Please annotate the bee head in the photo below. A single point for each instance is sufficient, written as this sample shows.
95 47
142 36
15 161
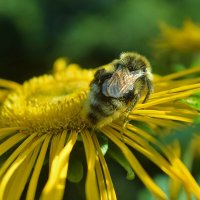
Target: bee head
134 61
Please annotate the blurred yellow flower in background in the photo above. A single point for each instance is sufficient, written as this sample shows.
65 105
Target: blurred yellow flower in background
41 120
183 39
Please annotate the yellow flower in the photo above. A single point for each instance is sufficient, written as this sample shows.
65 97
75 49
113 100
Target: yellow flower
41 119
183 39
191 151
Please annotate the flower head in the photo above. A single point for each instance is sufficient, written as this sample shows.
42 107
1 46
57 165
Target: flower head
183 39
41 119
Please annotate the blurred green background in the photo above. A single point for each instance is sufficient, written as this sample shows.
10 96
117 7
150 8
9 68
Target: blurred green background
34 33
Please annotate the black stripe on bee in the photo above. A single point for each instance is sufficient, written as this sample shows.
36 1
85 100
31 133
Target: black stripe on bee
93 117
99 109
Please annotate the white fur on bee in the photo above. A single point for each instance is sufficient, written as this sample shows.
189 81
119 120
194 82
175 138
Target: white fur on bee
149 73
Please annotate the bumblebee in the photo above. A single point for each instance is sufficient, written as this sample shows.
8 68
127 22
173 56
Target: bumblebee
116 90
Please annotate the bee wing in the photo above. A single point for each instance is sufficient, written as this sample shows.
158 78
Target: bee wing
120 83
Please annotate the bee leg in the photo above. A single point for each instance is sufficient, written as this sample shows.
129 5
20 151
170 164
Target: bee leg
127 112
132 98
123 129
149 88
131 106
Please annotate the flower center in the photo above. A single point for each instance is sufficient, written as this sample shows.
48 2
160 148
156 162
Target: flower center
48 104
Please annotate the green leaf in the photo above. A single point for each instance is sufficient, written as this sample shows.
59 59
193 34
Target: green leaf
75 171
197 120
117 155
144 126
178 67
184 136
193 101
161 181
103 141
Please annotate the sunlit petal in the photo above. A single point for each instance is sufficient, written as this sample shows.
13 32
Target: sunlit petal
10 142
4 132
22 174
21 152
9 84
37 169
44 117
55 185
91 181
19 160
57 144
138 169
110 188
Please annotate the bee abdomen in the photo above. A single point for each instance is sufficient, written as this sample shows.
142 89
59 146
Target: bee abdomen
103 108
99 111
93 118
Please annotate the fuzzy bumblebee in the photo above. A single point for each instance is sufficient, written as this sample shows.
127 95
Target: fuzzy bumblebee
118 89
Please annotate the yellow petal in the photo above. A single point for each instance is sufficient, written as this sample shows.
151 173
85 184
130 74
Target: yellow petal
180 74
91 181
57 144
189 182
9 143
108 181
12 169
157 122
167 99
21 152
21 176
142 146
38 166
4 132
9 84
138 169
101 180
54 188
3 94
8 176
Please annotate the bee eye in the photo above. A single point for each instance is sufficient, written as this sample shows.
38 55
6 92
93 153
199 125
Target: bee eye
118 65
